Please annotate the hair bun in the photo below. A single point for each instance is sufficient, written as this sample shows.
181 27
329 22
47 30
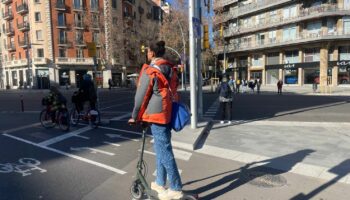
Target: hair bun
161 43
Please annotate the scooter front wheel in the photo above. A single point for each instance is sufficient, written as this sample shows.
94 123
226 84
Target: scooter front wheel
136 190
190 197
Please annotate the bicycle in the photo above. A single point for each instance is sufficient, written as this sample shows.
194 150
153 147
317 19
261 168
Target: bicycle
93 117
48 119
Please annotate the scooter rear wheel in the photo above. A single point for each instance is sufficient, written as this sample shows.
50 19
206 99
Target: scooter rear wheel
136 190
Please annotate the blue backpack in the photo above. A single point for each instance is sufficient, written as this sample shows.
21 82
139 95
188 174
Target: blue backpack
180 116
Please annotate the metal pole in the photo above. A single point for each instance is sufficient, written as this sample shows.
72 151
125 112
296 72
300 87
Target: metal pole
28 61
199 61
193 99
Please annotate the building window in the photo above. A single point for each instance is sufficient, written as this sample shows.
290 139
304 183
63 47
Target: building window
78 20
95 37
94 5
62 53
37 17
39 35
37 1
344 53
291 57
62 37
273 58
61 19
289 33
312 55
40 53
260 38
78 4
290 12
272 37
14 78
314 28
257 60
79 37
114 4
80 53
331 26
346 25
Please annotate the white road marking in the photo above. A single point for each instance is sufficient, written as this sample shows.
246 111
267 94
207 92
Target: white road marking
295 123
24 166
21 128
121 130
121 117
92 150
113 144
121 137
178 154
80 136
68 155
65 136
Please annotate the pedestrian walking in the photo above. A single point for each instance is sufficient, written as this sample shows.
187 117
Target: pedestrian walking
238 85
244 85
258 84
232 84
314 86
153 104
279 86
225 98
110 84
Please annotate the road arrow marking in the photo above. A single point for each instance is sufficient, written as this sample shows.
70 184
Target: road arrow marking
121 137
92 150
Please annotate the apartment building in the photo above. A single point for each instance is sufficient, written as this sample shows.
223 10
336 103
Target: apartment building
132 24
299 42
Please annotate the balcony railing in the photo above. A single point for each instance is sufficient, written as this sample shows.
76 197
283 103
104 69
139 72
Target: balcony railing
60 5
94 9
6 1
8 15
78 7
269 43
243 9
222 3
11 47
61 24
64 42
304 14
22 9
17 63
79 25
74 61
24 26
23 43
9 31
40 61
79 42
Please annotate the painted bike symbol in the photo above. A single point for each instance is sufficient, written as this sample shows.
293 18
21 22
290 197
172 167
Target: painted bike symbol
24 166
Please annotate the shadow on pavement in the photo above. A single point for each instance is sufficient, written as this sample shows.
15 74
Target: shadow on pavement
238 177
340 171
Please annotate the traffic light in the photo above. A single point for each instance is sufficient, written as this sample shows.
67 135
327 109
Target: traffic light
143 49
206 37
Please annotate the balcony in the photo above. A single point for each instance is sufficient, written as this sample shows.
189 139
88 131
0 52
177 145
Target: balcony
23 43
304 14
9 32
11 47
79 25
74 61
302 38
62 25
8 15
24 26
60 6
22 9
251 8
94 9
95 25
64 42
79 42
221 3
78 8
6 1
40 61
17 63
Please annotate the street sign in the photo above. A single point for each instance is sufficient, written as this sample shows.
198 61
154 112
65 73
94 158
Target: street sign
196 27
91 49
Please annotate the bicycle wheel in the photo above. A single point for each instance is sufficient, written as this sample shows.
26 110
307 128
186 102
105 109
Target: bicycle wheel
95 118
63 120
74 117
46 119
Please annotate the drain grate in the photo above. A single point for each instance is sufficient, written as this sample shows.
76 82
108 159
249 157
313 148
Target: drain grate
263 179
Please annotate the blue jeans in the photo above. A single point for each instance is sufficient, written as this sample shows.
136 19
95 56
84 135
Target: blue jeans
165 161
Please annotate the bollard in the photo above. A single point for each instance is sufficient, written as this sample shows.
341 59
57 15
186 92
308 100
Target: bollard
22 105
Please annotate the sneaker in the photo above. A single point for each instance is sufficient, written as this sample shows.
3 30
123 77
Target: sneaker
229 122
159 189
222 122
170 194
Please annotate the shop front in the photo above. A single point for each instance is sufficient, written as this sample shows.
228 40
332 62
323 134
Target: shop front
343 71
42 79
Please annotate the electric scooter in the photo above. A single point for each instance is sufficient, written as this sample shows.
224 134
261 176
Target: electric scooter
140 188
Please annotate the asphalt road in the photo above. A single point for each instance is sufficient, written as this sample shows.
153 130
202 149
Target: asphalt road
85 163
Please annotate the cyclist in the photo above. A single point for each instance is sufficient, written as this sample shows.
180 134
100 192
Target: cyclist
56 100
87 92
